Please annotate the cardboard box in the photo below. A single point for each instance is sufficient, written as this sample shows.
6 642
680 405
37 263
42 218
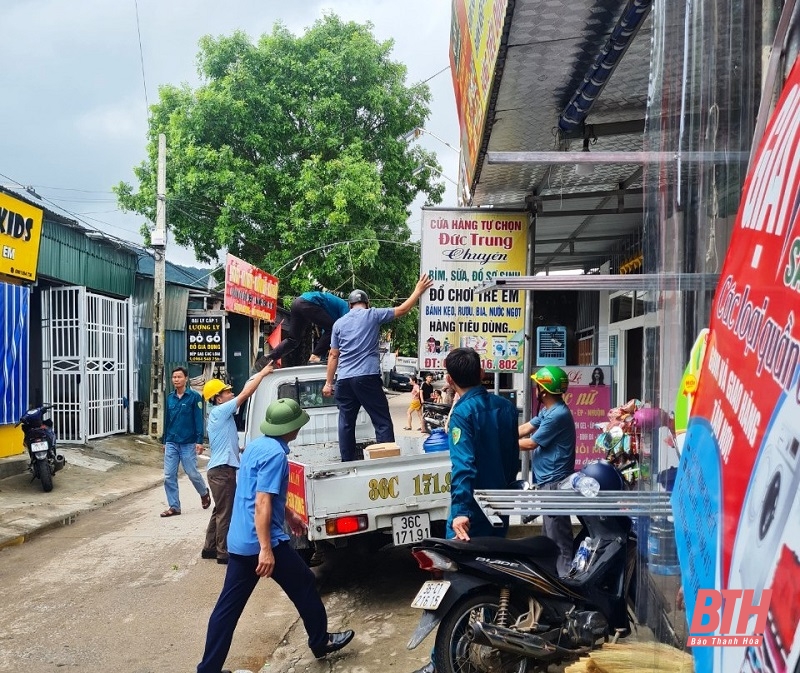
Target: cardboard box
385 450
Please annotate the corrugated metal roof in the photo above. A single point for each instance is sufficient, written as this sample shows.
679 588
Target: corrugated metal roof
177 274
550 48
67 255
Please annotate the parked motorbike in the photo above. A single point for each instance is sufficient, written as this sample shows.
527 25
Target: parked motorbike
501 606
434 414
40 440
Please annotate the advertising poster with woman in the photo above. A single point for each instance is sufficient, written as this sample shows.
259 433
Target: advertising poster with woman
736 498
460 250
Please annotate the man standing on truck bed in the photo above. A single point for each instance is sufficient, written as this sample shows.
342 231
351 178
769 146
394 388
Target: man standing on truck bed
317 308
355 359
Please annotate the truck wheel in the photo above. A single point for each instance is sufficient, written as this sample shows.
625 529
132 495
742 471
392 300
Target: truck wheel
43 467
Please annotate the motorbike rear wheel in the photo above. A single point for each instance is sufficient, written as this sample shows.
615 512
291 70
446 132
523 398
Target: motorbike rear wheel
454 651
43 468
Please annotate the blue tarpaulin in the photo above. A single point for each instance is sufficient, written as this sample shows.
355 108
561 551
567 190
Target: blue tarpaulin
14 326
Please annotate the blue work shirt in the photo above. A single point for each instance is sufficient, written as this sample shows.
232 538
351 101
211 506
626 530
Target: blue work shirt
264 469
223 438
483 434
357 336
554 432
334 306
183 422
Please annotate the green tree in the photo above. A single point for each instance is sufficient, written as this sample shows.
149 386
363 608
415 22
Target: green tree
291 155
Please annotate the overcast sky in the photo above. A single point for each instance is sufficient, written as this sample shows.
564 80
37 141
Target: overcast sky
74 113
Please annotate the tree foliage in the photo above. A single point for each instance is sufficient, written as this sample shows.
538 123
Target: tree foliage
290 155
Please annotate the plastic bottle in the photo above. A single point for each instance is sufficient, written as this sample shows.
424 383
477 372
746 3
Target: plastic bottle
584 555
587 486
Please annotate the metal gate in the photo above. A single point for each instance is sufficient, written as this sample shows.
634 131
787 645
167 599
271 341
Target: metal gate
85 349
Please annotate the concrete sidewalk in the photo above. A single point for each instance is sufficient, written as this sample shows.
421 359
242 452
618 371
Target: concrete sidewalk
94 475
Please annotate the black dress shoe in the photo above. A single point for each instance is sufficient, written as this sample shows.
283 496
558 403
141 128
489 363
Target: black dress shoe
427 668
336 641
208 553
222 560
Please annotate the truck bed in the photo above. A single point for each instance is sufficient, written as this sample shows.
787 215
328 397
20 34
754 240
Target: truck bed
371 495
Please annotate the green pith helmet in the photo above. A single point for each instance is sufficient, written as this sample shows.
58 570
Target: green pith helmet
283 416
553 379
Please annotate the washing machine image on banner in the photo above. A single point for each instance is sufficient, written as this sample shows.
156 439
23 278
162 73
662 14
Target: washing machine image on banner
770 496
765 553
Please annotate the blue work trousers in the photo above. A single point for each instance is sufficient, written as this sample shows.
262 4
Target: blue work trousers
186 455
292 575
351 395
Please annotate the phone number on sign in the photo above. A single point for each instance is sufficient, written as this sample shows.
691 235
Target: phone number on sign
508 364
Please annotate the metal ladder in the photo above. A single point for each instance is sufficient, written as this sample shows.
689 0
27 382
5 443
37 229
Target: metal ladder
497 503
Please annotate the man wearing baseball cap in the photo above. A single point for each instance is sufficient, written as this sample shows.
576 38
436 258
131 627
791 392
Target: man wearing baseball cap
223 439
355 360
259 546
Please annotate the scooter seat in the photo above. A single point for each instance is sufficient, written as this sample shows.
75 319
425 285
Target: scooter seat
542 548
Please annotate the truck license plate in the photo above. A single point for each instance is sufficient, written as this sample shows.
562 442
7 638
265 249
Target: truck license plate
430 595
410 528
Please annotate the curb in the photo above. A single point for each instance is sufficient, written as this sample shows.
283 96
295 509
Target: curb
71 517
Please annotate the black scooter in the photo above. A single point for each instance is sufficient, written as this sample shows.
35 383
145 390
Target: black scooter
435 414
40 440
501 606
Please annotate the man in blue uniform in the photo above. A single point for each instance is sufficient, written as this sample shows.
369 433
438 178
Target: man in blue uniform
482 435
355 359
484 450
551 436
317 308
259 547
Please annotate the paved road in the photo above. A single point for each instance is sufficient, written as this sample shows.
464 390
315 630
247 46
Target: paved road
124 590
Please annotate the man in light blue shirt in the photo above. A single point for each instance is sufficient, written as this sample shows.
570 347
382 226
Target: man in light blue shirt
223 440
355 360
550 436
259 546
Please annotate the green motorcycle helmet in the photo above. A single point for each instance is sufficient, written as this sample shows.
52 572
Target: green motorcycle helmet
553 379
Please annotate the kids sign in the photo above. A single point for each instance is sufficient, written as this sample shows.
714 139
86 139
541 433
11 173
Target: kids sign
460 250
20 233
736 498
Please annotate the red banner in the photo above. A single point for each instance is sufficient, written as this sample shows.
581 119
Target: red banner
736 503
249 290
296 494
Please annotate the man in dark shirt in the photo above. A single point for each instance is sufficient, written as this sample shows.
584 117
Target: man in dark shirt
183 440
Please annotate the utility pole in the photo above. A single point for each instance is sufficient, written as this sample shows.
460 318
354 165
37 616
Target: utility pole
158 241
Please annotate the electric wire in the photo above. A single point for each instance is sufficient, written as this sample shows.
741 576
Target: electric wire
141 58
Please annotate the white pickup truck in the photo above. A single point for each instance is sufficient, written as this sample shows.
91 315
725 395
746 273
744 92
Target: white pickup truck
404 495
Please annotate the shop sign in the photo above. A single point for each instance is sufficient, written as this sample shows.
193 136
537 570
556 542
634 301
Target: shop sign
205 338
476 31
249 290
20 234
462 248
736 498
589 400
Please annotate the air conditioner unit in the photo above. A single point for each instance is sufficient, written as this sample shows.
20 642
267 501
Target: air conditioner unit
551 346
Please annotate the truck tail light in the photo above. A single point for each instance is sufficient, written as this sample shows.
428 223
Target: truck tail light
342 525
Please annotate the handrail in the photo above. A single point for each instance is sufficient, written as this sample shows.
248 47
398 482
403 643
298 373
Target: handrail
498 502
